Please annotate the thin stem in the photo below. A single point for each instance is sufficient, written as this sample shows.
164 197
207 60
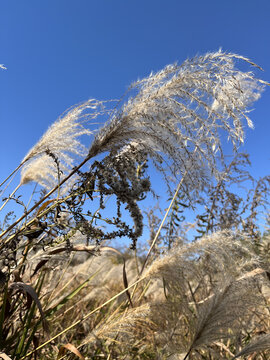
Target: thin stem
7 185
187 355
163 221
13 172
10 196
161 226
91 154
136 262
83 318
31 197
166 214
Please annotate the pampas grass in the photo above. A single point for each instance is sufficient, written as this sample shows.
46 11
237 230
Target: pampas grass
55 154
261 343
62 138
172 112
223 315
215 252
62 141
175 116
170 116
209 297
209 292
211 289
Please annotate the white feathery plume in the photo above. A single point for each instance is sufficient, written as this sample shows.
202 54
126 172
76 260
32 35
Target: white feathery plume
221 305
222 315
173 112
61 137
174 323
222 250
61 143
244 90
42 170
175 116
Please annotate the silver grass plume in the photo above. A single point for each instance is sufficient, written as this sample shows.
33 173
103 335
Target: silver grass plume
60 144
176 114
42 170
196 316
210 291
122 326
221 250
261 343
223 315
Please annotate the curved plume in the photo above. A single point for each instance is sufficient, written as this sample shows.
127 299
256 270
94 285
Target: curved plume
175 116
182 108
60 146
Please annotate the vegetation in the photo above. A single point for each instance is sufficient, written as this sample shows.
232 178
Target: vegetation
67 292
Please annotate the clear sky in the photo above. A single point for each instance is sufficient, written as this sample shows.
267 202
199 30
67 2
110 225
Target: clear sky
61 52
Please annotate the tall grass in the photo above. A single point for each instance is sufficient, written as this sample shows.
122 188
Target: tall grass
198 300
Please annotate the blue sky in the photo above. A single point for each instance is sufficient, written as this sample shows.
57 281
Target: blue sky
61 52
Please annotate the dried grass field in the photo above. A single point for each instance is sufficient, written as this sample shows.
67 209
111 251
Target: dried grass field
67 291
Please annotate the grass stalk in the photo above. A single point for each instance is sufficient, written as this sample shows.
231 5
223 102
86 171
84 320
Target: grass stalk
187 354
166 214
10 196
84 318
163 221
13 172
89 156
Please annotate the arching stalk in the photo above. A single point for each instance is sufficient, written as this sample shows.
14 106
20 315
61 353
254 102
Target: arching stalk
187 355
10 196
13 172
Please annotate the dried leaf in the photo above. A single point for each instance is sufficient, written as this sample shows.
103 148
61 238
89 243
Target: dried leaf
44 205
30 291
126 283
71 348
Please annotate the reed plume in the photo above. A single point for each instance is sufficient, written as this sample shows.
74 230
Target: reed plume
168 115
60 144
261 343
223 315
61 137
182 108
210 292
216 253
176 117
55 153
